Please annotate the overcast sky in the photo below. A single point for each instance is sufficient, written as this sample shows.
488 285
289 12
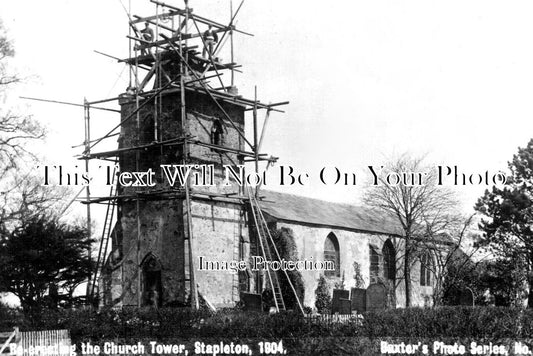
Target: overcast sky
365 79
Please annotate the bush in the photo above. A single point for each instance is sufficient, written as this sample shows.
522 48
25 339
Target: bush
284 240
323 299
488 322
139 324
9 318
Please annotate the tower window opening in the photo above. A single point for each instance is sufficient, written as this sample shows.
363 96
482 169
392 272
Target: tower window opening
217 133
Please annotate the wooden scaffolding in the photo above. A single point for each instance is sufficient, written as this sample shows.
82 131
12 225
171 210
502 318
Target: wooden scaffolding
178 34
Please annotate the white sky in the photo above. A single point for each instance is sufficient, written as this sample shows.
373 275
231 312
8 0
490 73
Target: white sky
365 79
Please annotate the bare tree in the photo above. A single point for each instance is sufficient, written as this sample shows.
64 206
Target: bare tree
445 242
413 203
21 195
15 128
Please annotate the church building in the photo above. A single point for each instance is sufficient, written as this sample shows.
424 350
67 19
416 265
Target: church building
166 230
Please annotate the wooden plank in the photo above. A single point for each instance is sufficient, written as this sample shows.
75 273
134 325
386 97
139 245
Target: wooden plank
171 142
67 103
147 78
269 106
132 60
159 25
234 99
147 58
270 159
200 19
263 130
184 36
163 16
114 153
174 39
106 55
103 100
175 194
184 12
228 98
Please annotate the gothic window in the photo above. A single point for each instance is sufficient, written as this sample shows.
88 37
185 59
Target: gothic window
331 253
374 264
389 260
151 282
426 265
217 133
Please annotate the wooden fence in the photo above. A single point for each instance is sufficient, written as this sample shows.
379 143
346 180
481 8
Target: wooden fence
335 318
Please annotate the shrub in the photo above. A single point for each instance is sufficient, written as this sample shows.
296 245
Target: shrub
489 322
323 299
9 317
284 240
417 323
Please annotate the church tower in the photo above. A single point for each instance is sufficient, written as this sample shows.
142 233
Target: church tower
173 117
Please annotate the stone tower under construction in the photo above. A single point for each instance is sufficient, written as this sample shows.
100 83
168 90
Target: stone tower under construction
176 233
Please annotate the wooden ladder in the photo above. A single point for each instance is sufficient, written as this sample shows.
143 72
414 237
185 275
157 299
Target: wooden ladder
106 233
265 249
265 241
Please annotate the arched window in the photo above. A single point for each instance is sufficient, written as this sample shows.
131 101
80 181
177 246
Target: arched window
389 260
217 133
374 264
426 265
151 283
331 253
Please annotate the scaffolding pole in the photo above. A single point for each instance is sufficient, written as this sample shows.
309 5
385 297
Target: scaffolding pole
137 203
183 73
87 124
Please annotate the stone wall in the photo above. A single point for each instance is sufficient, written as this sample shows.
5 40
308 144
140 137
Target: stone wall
353 247
219 234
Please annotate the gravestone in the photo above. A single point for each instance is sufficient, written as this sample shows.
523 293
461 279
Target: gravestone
252 302
345 306
466 298
358 300
376 297
339 294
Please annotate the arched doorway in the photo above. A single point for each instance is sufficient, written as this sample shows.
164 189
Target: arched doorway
152 291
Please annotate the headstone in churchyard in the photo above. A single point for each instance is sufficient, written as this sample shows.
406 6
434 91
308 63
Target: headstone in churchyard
336 303
466 297
251 301
376 297
345 306
358 298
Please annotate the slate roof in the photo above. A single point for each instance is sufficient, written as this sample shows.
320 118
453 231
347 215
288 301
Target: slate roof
299 209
